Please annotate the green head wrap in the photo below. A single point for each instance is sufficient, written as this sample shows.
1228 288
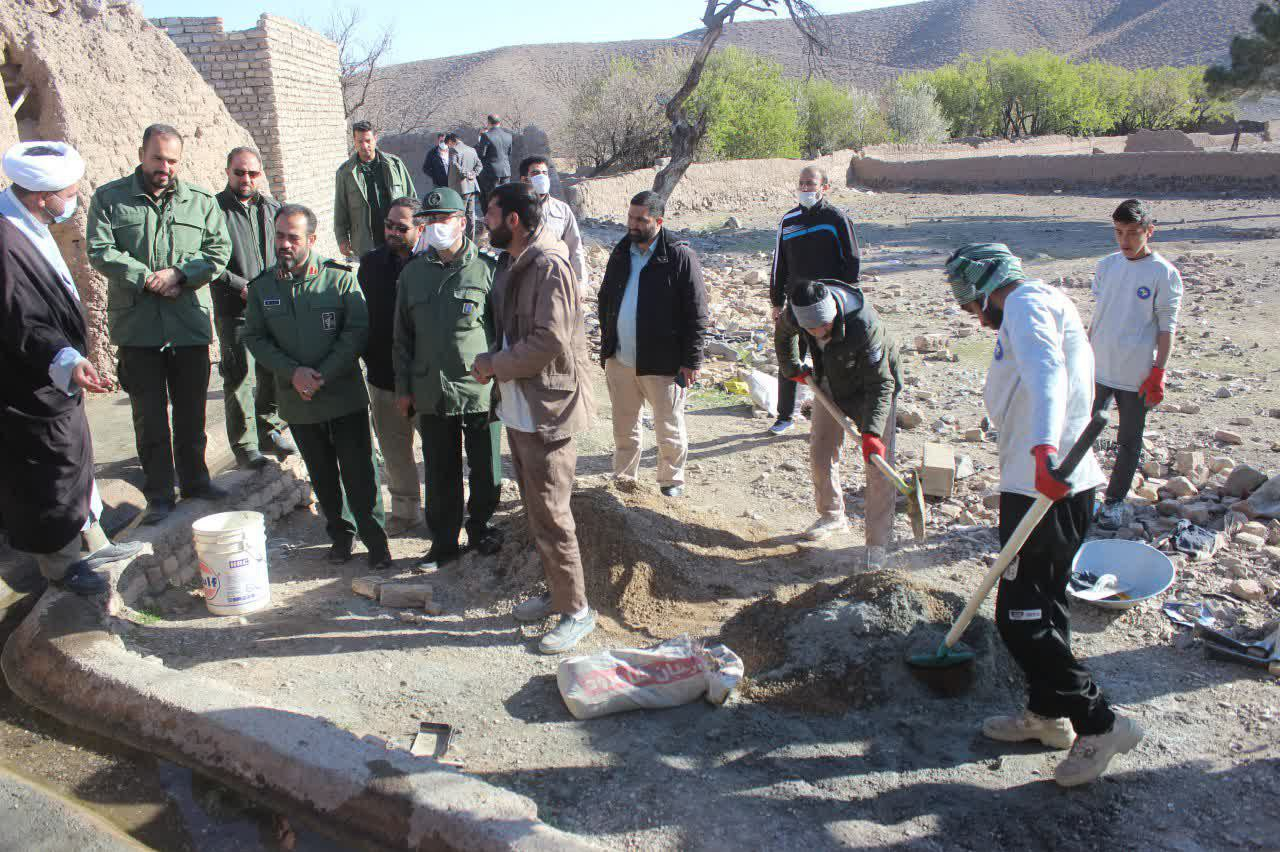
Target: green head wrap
979 269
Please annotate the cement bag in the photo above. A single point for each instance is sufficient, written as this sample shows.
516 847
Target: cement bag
764 391
672 673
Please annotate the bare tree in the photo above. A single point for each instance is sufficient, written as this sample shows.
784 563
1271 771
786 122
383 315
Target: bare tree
359 59
687 128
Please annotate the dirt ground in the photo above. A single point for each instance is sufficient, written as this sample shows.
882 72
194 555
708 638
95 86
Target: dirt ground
829 743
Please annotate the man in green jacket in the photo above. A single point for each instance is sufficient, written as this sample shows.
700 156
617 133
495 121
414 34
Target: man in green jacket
443 321
307 323
158 241
366 185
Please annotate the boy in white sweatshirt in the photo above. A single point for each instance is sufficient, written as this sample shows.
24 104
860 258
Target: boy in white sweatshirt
1039 395
1137 295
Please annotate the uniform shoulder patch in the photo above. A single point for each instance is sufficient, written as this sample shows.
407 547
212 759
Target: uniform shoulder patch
333 264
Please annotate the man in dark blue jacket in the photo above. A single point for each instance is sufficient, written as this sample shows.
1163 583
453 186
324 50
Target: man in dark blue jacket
436 164
816 242
653 322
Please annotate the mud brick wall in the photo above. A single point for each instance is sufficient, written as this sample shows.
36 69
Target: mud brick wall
280 81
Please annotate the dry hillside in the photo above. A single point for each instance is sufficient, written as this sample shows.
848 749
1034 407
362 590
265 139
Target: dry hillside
531 82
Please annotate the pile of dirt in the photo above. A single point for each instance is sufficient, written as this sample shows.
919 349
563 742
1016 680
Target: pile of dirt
841 646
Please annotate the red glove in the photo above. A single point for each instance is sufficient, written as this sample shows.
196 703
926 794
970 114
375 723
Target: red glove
1152 390
871 446
802 378
1046 484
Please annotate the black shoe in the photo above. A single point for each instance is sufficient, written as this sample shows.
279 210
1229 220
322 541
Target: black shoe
487 542
207 491
381 561
280 444
438 556
112 553
339 552
157 511
83 580
251 460
673 491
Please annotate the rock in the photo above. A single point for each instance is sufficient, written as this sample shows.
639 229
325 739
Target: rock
1218 464
1256 528
1152 468
909 418
974 435
1223 393
1180 486
991 499
1185 462
1247 590
716 349
1196 513
753 277
1147 492
1273 533
1167 508
1233 522
1243 481
1250 542
1242 421
930 342
367 587
732 223
1226 437
402 595
949 510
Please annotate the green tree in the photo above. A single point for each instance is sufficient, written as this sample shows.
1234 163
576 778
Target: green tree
826 116
1254 59
912 114
749 108
867 123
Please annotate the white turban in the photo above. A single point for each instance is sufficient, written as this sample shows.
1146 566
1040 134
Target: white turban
52 167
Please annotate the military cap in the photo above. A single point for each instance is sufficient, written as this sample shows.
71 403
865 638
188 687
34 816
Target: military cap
441 200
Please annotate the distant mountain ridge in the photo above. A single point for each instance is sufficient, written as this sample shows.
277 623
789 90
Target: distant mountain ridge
532 83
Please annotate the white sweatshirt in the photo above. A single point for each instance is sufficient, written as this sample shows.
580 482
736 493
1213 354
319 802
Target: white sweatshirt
1134 301
1040 386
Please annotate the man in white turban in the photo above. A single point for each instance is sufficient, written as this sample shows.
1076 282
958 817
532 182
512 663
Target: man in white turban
48 499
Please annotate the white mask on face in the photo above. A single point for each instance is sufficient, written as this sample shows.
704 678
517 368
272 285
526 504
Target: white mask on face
541 184
68 211
441 235
808 199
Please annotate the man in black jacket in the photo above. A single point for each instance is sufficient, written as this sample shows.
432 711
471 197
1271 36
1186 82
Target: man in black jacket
653 321
250 405
436 164
815 241
495 155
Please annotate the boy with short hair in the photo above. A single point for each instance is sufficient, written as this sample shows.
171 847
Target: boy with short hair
1137 294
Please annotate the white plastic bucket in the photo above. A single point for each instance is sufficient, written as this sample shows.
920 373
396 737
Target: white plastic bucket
232 549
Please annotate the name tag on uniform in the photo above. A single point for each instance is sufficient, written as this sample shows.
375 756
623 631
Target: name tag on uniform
468 308
329 320
270 303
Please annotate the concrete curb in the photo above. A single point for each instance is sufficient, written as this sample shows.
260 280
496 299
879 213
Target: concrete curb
64 660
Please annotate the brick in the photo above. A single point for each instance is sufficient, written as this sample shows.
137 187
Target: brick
367 587
404 595
938 471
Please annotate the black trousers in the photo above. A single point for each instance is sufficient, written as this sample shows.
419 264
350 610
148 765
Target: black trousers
155 379
444 437
1133 423
787 388
338 454
1033 618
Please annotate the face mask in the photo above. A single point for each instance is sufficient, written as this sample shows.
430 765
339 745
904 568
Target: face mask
808 199
68 211
444 149
541 184
441 235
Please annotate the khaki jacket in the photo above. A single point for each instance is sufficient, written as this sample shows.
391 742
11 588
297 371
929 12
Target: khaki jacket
351 199
540 317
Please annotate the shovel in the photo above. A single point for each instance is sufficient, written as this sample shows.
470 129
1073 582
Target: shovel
949 655
916 511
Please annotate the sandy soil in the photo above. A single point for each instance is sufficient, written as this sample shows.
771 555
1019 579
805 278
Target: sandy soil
849 751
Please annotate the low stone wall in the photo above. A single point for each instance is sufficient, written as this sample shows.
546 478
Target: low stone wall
1164 170
1043 145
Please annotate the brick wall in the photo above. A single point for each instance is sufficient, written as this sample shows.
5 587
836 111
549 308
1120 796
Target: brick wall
280 81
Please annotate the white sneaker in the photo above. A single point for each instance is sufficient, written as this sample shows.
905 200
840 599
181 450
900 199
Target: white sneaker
1090 755
876 557
826 527
1055 733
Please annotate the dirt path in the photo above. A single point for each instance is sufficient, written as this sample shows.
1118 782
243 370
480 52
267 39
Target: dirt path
867 758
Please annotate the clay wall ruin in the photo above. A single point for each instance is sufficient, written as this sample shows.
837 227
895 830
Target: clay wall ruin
280 81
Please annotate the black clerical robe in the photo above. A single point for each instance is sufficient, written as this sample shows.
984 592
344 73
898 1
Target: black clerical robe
46 453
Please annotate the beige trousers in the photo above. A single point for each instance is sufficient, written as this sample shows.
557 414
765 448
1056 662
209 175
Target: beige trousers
826 437
628 393
395 439
53 566
545 473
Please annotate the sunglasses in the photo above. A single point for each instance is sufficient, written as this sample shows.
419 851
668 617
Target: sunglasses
245 173
399 229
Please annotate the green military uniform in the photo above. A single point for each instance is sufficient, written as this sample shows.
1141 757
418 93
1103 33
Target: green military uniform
355 200
318 319
443 321
163 342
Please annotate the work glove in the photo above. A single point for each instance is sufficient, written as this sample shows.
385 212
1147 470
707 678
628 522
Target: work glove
871 446
1152 390
802 378
1046 483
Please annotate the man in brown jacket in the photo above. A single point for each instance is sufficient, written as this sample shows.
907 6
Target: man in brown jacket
543 397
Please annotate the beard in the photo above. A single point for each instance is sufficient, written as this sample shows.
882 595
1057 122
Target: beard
244 193
638 237
500 237
992 317
158 180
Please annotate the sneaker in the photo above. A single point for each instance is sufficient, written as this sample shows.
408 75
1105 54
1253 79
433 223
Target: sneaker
339 553
567 633
673 491
1055 733
111 553
535 608
157 511
876 557
1114 515
1090 755
83 580
826 527
251 460
437 556
781 426
280 444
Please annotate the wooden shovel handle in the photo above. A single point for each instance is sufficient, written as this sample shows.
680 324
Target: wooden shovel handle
883 466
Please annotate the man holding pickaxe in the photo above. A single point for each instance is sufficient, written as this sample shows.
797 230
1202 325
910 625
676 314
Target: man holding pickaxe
855 363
